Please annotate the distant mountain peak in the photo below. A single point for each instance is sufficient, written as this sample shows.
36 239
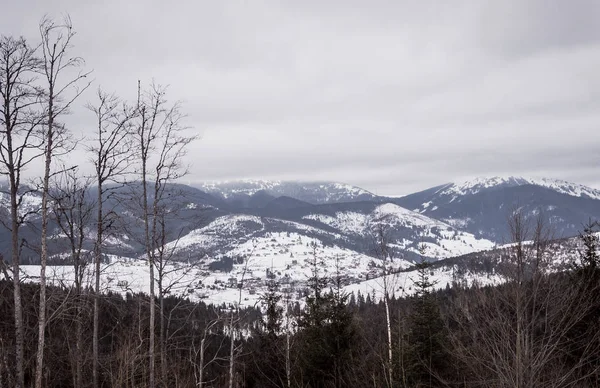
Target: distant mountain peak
312 192
476 185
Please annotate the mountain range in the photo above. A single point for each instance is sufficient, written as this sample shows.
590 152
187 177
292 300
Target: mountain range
279 226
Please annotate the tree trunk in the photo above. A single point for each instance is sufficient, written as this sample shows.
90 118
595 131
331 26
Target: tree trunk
389 341
163 335
97 261
231 350
79 323
149 254
39 371
19 332
287 352
201 370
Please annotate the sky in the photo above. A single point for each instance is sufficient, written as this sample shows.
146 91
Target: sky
390 95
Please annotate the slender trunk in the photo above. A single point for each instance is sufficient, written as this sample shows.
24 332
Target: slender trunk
149 254
231 350
44 249
97 261
401 349
19 331
161 292
287 351
163 336
389 330
79 346
201 371
79 323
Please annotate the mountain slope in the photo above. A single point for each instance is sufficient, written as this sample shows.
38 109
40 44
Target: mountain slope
482 206
350 229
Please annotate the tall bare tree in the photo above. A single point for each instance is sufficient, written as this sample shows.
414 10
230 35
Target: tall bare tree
112 158
61 90
161 139
73 210
384 252
19 146
170 272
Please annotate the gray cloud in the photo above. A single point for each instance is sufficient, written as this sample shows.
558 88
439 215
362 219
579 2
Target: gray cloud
394 96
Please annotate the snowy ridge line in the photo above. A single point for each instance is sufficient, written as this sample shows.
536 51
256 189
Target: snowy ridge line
476 185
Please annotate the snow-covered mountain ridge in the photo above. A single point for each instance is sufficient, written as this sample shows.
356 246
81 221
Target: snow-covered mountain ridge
311 192
476 185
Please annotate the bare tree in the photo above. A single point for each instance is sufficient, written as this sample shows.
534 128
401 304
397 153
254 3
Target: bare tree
234 318
162 142
170 273
198 357
56 43
516 334
73 211
112 158
383 251
19 119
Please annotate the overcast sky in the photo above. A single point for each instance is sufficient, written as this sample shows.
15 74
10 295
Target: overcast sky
393 96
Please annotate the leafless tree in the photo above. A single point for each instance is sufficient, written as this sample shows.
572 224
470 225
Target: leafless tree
383 251
19 146
170 273
61 90
73 211
162 142
112 158
198 357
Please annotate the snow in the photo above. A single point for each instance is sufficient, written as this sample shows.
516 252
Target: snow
320 192
347 222
286 255
476 185
402 284
448 240
31 203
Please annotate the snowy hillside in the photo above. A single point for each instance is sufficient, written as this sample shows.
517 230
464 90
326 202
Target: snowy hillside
285 257
31 202
408 231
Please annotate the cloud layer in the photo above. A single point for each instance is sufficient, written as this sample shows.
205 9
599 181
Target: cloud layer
393 96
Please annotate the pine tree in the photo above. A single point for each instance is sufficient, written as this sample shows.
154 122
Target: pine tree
341 331
427 339
272 320
328 333
267 343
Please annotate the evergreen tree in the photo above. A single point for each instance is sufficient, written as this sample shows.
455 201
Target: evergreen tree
341 332
327 334
272 320
267 344
426 354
